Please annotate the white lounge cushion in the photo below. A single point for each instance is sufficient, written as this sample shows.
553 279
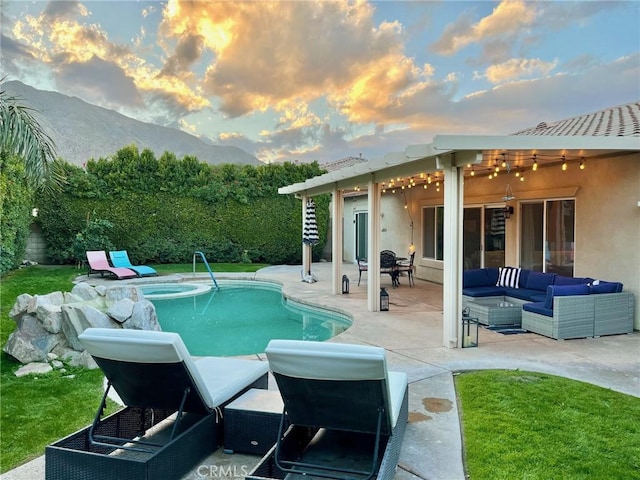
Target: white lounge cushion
217 378
336 361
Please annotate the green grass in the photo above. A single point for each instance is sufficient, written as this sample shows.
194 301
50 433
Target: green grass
534 426
37 410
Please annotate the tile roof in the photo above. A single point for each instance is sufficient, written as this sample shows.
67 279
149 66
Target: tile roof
620 121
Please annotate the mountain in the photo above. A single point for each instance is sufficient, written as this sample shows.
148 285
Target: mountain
82 131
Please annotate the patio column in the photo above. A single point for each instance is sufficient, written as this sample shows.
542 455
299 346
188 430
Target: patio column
452 274
373 252
337 234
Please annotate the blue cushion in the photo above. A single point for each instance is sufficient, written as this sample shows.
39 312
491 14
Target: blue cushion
561 280
606 287
522 293
492 291
492 273
539 280
475 278
538 307
564 291
538 297
524 276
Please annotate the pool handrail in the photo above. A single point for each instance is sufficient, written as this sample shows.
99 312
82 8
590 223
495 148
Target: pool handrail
204 259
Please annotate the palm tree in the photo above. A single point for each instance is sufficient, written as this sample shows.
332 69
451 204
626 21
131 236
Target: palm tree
21 135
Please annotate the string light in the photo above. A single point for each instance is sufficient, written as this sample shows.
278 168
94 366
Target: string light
564 163
582 162
535 163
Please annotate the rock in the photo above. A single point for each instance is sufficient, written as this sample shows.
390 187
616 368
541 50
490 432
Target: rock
84 360
52 356
33 368
77 317
31 342
57 364
115 294
50 316
143 317
20 307
121 310
55 298
71 298
101 290
84 291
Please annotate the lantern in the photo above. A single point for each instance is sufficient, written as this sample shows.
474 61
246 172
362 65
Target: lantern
469 329
384 300
345 284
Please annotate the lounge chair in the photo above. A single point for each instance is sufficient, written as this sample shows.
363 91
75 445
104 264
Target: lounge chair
98 263
172 417
120 258
362 267
407 266
347 412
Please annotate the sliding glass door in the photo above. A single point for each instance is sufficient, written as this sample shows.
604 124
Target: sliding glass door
483 237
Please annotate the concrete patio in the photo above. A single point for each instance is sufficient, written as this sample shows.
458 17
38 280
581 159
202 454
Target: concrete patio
411 332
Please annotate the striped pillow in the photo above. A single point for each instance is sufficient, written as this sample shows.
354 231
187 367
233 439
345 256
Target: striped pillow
508 277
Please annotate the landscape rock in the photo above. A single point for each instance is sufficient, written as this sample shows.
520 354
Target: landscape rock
71 298
37 301
21 306
143 317
84 291
83 359
57 364
115 294
50 316
77 317
121 310
33 368
31 342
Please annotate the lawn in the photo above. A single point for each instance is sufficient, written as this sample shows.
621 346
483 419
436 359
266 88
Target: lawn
535 426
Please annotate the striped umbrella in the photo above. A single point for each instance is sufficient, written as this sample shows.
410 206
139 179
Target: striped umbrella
310 234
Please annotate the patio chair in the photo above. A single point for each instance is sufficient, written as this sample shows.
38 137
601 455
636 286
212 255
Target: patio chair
388 265
407 266
120 258
173 407
98 263
347 412
362 267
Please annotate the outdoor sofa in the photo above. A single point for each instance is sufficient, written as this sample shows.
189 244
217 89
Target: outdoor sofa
553 305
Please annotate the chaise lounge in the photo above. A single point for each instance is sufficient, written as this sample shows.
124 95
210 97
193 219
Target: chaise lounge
98 263
173 409
347 412
120 258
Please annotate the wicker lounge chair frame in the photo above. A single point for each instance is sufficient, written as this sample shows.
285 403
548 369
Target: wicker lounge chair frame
336 393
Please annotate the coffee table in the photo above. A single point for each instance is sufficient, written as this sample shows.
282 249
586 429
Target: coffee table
492 311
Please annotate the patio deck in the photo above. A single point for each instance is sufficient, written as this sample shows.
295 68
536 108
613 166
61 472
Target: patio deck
411 332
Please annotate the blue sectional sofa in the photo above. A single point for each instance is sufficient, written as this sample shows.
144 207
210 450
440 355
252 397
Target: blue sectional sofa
553 305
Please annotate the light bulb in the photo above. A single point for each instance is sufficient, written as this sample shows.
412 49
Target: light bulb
535 165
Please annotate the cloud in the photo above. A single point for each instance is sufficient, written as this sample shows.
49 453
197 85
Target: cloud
517 68
506 21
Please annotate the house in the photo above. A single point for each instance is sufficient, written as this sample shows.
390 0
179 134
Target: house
562 196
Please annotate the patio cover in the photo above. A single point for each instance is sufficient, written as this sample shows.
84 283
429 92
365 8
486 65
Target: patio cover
450 154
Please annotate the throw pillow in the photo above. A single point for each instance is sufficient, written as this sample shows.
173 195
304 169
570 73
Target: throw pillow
600 286
508 277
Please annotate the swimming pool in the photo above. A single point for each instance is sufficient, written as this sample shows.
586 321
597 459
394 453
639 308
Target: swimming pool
241 318
173 290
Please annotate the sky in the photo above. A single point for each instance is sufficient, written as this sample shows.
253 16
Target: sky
325 80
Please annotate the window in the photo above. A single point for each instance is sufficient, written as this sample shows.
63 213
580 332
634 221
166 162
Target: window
432 232
547 236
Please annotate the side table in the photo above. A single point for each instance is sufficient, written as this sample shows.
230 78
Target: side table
251 422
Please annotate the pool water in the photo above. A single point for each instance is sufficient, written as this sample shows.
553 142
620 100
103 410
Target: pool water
240 319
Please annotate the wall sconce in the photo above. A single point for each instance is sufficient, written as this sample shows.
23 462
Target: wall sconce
508 211
384 300
345 284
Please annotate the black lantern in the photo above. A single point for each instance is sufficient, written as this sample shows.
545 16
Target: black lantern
384 300
345 284
469 329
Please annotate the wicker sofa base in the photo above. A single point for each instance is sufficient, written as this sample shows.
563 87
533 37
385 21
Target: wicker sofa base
75 458
338 449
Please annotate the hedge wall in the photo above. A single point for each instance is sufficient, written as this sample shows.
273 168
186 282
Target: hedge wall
164 210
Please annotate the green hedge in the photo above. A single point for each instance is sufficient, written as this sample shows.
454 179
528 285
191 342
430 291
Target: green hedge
16 201
164 210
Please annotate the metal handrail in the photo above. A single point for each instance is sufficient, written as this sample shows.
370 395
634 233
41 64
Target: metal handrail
207 265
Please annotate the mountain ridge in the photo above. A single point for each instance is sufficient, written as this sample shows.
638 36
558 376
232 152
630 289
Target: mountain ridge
92 132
